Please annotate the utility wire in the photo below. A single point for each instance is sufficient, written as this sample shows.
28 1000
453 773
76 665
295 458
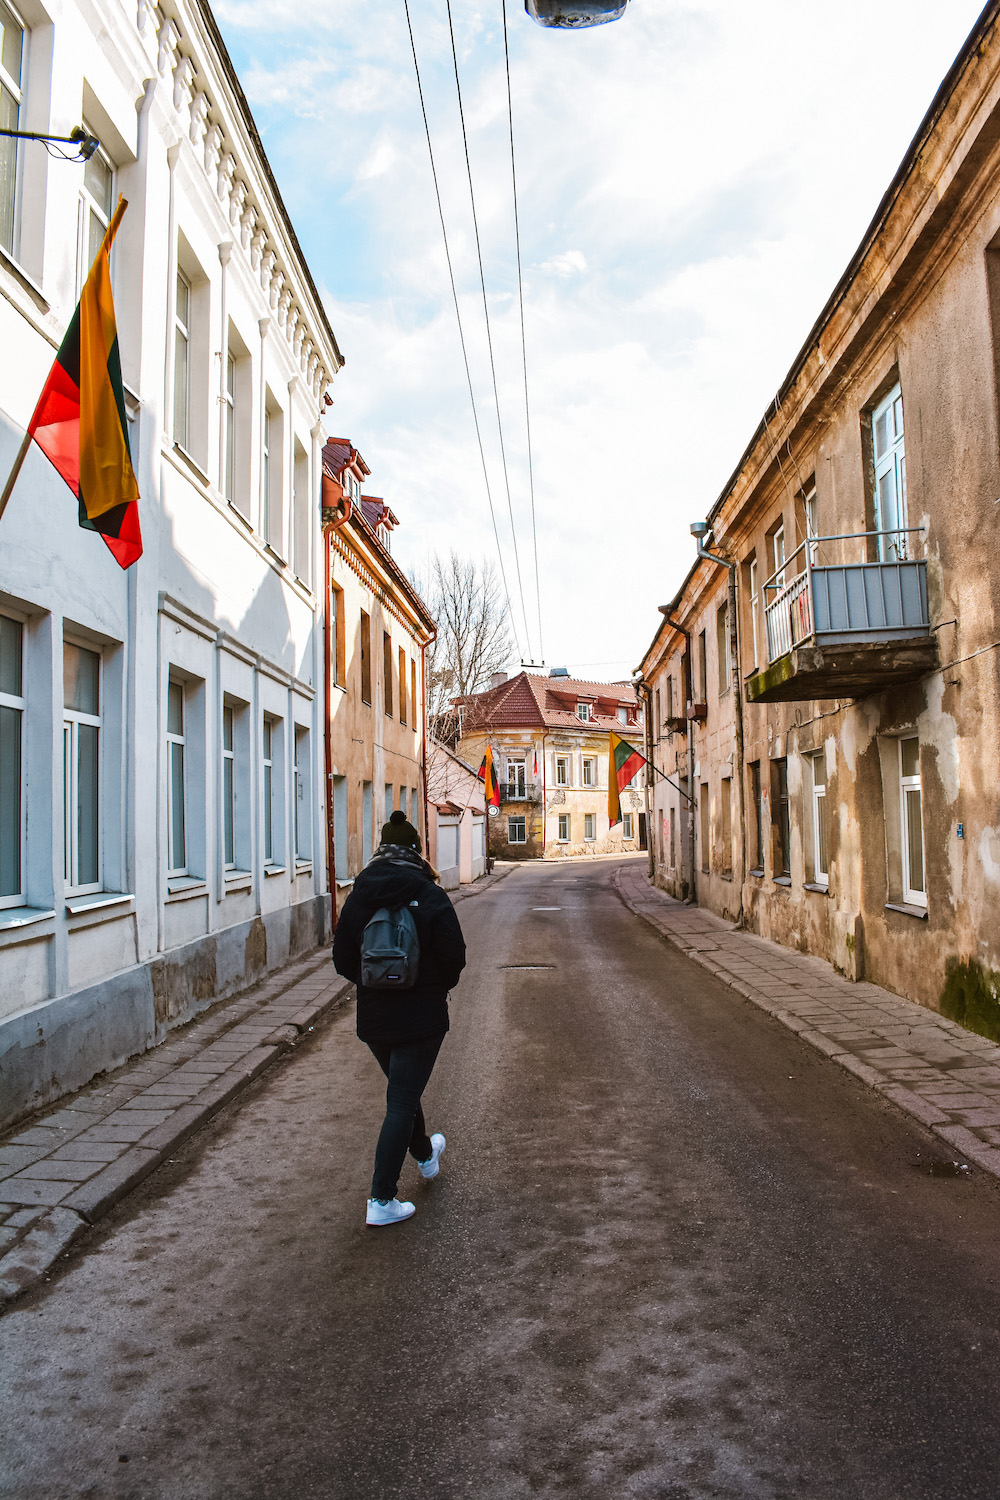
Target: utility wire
486 314
461 332
524 346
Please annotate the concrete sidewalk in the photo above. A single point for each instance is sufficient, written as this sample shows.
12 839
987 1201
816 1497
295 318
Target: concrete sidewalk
946 1077
64 1168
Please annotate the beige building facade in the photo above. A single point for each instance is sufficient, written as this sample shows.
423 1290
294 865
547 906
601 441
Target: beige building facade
824 684
376 630
551 741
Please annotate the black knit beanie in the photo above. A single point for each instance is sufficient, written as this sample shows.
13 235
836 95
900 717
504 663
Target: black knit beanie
399 831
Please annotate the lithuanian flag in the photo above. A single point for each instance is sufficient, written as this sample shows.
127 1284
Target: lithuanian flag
487 773
623 763
79 422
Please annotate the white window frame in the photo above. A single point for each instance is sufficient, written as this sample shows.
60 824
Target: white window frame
778 555
562 770
265 483
181 410
301 800
890 476
623 716
18 703
590 770
820 873
910 784
754 608
517 824
176 748
589 828
583 712
227 801
73 720
229 478
626 825
14 88
517 776
90 208
564 822
812 524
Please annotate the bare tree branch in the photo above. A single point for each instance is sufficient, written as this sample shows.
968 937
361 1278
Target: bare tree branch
474 639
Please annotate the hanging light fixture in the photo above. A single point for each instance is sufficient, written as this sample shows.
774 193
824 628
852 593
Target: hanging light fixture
567 14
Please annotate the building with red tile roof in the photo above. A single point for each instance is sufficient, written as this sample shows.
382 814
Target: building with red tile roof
551 742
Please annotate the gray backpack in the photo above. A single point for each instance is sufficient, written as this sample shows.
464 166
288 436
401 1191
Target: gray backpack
390 950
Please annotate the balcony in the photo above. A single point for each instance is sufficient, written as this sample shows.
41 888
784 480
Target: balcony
847 629
520 791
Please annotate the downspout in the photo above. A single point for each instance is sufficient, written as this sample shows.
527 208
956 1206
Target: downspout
334 520
544 801
423 734
700 529
687 696
644 691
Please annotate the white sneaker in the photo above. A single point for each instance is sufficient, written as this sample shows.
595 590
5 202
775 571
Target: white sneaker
392 1212
432 1165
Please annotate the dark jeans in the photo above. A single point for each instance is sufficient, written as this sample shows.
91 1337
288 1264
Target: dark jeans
407 1067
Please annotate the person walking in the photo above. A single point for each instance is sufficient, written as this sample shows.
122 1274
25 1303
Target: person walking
404 1028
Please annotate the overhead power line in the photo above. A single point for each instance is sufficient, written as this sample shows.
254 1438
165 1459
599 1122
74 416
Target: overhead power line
461 331
486 315
524 345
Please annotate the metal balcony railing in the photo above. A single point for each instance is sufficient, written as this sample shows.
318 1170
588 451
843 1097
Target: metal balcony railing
520 791
852 602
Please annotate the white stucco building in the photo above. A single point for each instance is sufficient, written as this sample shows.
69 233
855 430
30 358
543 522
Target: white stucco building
162 827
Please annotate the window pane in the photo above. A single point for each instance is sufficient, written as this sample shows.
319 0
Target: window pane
10 656
178 857
914 830
227 809
909 751
95 234
183 300
88 864
175 708
227 728
268 826
97 181
819 770
821 856
81 679
8 161
10 43
267 739
10 801
180 388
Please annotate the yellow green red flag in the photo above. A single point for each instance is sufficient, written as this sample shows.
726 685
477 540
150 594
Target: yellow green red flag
623 762
79 421
487 774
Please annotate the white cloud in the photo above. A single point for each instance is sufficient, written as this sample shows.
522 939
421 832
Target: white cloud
570 263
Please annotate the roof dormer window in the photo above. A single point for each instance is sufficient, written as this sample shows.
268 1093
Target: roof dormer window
583 712
623 716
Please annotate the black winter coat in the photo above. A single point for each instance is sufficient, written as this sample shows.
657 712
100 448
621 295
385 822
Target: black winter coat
395 877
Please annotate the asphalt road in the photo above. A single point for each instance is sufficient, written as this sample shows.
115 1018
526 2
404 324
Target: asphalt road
673 1253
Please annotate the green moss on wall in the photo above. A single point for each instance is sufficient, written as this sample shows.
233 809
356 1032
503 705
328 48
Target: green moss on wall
971 996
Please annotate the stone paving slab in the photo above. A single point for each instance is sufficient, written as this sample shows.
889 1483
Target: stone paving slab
944 1076
63 1169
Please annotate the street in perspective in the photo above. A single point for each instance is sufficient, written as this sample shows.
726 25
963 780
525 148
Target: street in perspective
672 1250
499 750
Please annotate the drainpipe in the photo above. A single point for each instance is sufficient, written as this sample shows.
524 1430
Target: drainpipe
544 815
700 529
687 695
333 519
644 691
423 735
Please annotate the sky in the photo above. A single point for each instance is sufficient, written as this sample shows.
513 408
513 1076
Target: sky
691 183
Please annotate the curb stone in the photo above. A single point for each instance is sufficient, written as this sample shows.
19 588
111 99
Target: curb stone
874 1019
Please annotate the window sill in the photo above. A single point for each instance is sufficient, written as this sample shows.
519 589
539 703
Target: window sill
758 873
192 464
271 552
186 887
243 520
270 870
21 276
345 885
238 880
907 909
785 880
814 885
78 906
13 917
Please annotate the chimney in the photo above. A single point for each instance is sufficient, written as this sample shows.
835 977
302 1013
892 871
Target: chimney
497 679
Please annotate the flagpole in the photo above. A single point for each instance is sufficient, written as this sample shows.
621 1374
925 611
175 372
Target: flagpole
22 454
